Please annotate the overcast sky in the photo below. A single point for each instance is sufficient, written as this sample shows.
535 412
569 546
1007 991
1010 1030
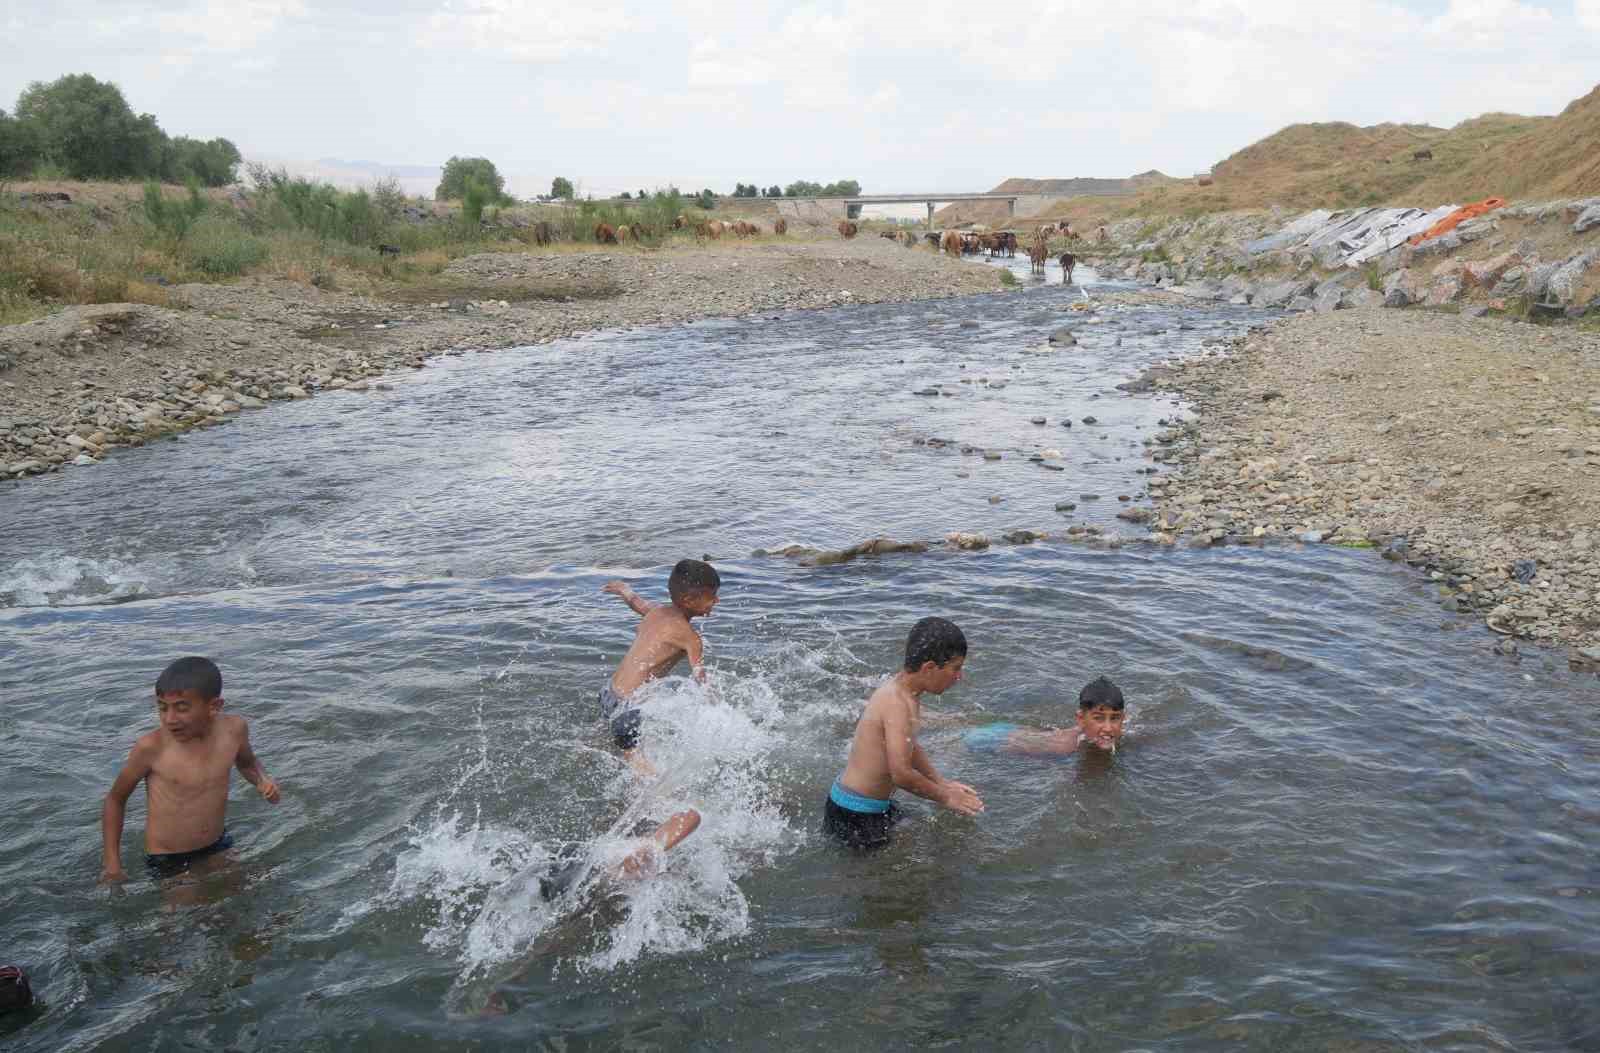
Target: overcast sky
930 95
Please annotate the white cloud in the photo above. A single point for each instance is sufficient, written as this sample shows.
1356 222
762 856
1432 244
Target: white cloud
542 31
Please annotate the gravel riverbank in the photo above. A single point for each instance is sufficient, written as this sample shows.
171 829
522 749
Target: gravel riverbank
1469 447
87 380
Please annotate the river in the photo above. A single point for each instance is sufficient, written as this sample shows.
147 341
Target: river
1338 821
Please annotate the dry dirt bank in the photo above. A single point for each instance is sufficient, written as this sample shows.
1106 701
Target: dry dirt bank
1469 447
89 379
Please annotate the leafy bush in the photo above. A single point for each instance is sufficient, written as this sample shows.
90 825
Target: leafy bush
212 163
706 199
561 187
173 218
221 248
17 147
389 197
86 126
460 172
474 198
294 202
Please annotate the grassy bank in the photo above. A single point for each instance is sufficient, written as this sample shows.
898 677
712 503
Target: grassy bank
123 242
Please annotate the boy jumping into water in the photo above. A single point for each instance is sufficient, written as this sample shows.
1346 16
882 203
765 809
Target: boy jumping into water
664 637
885 756
185 765
1100 725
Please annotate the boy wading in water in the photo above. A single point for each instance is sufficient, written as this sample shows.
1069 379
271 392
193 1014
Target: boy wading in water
664 637
185 765
885 756
1099 725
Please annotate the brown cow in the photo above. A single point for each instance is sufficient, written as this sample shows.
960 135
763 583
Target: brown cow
716 228
681 222
1011 243
847 229
543 233
1037 253
908 239
951 243
604 235
623 234
1068 262
780 226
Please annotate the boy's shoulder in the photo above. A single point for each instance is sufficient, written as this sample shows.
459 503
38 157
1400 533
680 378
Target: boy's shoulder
149 745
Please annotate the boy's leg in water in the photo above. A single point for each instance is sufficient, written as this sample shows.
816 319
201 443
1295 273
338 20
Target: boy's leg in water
639 863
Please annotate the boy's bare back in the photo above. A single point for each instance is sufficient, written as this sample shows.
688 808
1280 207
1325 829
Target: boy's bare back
664 637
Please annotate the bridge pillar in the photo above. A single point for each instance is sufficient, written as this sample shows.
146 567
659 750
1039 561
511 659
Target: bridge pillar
930 215
1011 207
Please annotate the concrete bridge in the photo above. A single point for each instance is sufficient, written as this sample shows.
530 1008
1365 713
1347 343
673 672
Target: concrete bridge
850 207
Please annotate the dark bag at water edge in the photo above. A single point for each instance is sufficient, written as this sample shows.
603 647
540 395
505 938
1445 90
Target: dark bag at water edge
14 990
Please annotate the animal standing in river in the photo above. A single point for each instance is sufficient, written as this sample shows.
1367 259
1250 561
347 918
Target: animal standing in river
1068 262
1037 253
951 243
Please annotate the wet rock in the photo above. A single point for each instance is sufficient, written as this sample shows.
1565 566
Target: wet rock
1063 337
1022 537
967 541
1038 420
1090 420
927 391
1066 506
1136 515
991 455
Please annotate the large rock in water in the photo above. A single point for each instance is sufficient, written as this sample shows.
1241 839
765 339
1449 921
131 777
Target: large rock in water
1063 337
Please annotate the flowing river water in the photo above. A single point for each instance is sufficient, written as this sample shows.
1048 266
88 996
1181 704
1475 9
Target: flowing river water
1338 822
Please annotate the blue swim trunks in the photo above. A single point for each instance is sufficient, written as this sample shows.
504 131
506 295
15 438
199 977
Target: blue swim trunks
171 864
624 719
858 821
990 736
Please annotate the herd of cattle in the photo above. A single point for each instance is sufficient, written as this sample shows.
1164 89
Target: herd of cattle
999 243
704 230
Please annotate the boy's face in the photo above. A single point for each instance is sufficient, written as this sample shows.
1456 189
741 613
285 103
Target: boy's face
187 714
944 677
1101 725
697 603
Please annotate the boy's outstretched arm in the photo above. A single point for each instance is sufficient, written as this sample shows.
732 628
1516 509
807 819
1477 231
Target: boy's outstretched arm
621 589
115 809
695 648
249 766
911 771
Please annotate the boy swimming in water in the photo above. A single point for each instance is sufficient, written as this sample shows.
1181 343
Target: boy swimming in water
664 637
885 756
185 765
1099 724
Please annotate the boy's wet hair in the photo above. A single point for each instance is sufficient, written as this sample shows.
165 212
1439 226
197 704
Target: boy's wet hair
1100 692
194 673
693 575
935 640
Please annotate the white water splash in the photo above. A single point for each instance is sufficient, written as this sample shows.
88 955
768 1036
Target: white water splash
69 581
711 747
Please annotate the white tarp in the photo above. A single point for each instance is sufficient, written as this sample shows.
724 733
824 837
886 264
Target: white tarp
1349 237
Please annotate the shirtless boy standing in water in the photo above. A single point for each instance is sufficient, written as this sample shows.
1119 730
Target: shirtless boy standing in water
185 765
885 756
664 637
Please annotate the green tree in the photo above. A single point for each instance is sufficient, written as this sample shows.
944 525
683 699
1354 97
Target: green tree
561 187
643 195
459 172
85 126
802 188
706 199
18 151
843 188
774 191
627 195
213 163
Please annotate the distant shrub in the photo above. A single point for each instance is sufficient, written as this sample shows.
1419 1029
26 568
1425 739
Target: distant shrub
461 172
389 197
173 218
561 187
221 248
475 196
1007 278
